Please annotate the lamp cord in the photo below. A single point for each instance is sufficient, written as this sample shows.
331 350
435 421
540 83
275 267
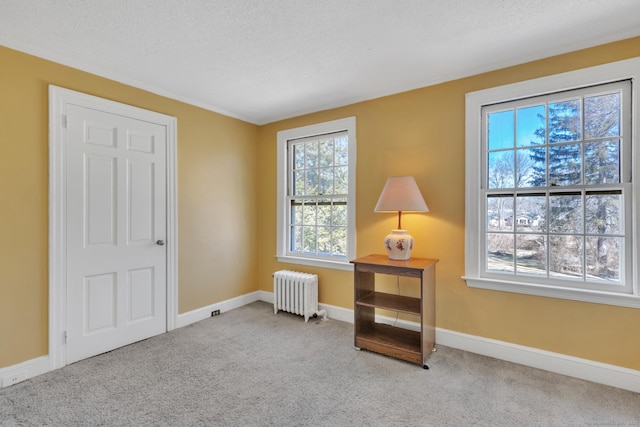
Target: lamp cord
397 312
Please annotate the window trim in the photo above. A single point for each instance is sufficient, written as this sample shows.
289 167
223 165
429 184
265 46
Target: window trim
608 73
346 124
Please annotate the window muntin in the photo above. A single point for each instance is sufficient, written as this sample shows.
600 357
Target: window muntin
556 172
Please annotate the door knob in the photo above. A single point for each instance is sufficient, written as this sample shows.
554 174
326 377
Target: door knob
160 242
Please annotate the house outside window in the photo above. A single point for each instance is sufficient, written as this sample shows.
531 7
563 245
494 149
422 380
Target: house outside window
316 194
551 199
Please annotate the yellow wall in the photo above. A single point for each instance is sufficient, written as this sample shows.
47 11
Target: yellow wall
421 133
217 179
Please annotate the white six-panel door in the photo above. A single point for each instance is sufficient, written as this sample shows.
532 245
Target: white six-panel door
116 227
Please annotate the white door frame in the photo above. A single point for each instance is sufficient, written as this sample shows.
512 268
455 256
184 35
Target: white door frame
59 98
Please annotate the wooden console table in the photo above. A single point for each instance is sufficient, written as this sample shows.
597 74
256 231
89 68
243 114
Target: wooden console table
405 344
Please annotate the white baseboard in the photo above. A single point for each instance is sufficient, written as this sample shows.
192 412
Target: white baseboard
602 373
204 312
333 312
338 313
615 376
23 371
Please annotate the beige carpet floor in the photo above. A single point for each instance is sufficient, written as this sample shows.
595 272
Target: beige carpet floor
250 367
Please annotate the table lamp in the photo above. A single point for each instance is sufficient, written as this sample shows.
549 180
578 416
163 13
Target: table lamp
400 193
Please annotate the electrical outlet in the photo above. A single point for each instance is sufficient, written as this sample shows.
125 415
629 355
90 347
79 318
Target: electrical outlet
215 313
13 379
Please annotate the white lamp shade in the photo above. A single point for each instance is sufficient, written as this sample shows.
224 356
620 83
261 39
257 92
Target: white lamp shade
401 193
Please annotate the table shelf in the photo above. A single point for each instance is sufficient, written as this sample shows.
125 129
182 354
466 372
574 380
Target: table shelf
399 303
396 342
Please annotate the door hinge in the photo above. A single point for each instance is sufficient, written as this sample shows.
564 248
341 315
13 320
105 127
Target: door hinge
66 337
64 121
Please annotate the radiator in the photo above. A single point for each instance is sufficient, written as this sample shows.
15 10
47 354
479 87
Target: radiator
296 293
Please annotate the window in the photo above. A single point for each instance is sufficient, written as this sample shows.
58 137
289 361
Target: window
316 194
550 193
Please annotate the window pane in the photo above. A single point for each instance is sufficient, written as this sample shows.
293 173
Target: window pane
499 213
309 213
564 121
531 167
324 212
565 164
296 239
565 256
326 152
501 169
326 181
309 239
500 252
298 183
341 150
565 213
602 116
341 180
311 187
531 125
339 212
604 214
604 257
532 212
298 156
531 254
324 240
311 150
339 247
296 212
500 130
602 162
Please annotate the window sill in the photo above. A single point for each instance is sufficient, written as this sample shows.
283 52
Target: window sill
335 265
623 300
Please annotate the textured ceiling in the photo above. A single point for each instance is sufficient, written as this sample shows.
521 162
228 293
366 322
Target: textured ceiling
265 60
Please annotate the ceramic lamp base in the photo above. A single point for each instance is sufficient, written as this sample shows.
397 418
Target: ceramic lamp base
399 244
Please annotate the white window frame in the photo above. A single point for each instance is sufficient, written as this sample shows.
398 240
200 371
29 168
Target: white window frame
475 275
282 253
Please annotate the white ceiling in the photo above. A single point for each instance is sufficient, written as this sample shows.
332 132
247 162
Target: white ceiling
265 60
